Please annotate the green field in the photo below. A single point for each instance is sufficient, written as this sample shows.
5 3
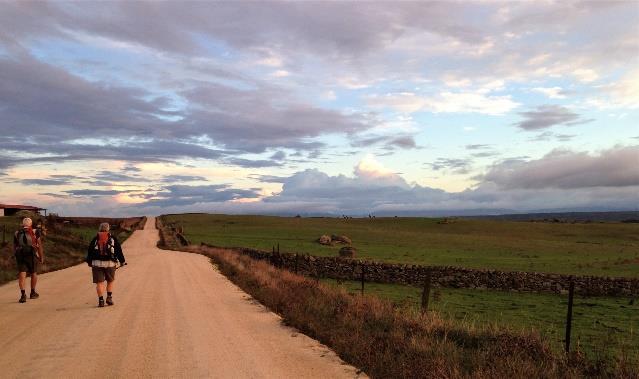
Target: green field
608 249
602 327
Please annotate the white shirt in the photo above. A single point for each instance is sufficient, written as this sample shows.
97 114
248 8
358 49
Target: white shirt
103 264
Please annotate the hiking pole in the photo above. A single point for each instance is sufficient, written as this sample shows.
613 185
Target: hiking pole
122 265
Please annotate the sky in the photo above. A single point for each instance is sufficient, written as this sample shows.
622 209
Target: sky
337 108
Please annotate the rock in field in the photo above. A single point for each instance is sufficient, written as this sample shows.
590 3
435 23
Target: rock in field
324 240
341 239
347 252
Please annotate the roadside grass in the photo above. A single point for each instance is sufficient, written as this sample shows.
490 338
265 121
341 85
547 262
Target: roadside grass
603 249
64 246
602 327
390 342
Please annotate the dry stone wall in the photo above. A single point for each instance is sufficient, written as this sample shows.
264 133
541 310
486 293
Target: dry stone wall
445 276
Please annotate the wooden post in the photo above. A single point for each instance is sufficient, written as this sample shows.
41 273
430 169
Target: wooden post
271 259
426 293
296 262
362 279
571 293
4 231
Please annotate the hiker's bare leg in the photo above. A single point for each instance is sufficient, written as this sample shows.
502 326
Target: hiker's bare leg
99 288
110 286
34 281
21 279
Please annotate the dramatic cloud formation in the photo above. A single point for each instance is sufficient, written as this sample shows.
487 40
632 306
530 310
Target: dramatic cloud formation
569 170
327 107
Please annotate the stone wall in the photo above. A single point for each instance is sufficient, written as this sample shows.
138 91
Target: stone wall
444 276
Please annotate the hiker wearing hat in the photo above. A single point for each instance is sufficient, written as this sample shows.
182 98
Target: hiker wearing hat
27 247
103 256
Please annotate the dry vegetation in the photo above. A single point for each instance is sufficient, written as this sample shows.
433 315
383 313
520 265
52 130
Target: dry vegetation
387 342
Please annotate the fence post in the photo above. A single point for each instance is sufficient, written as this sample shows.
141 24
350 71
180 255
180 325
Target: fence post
362 278
426 293
4 231
296 262
571 293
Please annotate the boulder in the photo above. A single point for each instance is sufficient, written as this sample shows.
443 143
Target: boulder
324 240
341 239
347 252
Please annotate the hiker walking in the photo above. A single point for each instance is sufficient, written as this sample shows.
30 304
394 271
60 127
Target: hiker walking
103 256
27 247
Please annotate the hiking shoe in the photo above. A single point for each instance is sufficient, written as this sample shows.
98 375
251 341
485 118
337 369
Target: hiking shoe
101 303
109 300
34 295
23 298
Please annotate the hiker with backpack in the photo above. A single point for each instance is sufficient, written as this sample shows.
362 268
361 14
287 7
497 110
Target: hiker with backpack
103 256
28 250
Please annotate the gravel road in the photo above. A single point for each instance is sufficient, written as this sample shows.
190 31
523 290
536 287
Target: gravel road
174 316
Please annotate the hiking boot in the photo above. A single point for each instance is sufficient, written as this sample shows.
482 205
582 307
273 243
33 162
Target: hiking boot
34 295
109 300
101 303
23 298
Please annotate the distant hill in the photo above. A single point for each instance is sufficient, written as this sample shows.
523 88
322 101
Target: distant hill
621 216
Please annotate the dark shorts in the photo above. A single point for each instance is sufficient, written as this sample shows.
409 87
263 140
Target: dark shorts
100 274
28 264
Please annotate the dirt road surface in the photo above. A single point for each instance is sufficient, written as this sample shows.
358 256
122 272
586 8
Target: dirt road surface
174 316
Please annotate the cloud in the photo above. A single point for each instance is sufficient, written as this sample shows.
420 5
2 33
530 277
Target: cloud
250 163
389 142
616 167
446 102
110 176
560 180
404 142
94 192
455 165
316 192
135 124
182 178
478 146
44 182
551 92
545 116
485 154
181 195
269 178
278 156
79 108
369 169
623 93
254 120
131 151
547 136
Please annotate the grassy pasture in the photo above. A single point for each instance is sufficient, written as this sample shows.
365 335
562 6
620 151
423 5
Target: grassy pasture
607 249
602 327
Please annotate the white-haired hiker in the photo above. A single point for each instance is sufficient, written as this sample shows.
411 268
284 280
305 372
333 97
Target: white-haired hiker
103 256
27 247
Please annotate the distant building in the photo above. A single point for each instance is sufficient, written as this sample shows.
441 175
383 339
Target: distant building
12 209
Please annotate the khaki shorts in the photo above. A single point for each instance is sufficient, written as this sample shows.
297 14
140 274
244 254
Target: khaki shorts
100 274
